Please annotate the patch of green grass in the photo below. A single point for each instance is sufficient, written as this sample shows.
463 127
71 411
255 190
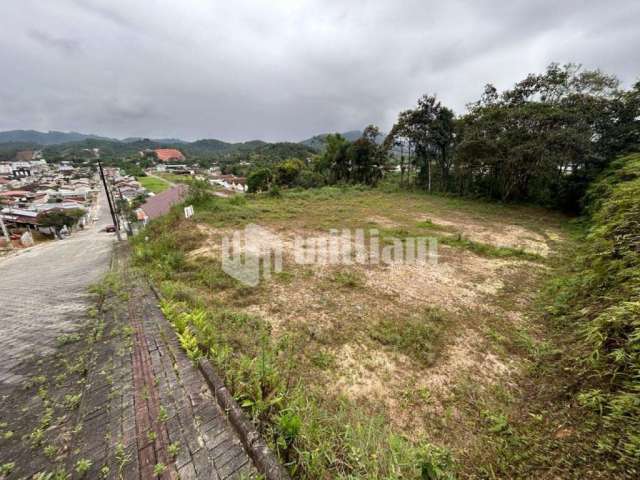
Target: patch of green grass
122 457
50 451
68 338
457 240
7 468
82 466
415 396
323 359
417 336
110 283
72 401
173 449
163 416
58 474
153 184
486 250
159 469
497 422
284 276
36 436
175 178
348 279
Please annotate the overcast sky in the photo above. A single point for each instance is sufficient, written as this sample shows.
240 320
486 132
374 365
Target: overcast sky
284 69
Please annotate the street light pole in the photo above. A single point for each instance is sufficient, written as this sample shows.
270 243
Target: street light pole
106 190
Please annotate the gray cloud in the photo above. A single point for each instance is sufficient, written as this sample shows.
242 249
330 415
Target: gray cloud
284 69
105 11
64 45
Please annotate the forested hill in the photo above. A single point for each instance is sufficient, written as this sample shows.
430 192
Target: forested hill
33 137
317 142
60 145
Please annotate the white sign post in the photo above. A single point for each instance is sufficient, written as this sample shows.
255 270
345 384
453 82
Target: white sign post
188 211
5 234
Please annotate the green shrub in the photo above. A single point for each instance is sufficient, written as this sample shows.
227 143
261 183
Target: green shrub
601 301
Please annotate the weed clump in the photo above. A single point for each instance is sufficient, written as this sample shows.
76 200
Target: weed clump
417 336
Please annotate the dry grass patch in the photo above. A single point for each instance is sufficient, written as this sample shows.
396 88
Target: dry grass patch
497 234
369 324
418 344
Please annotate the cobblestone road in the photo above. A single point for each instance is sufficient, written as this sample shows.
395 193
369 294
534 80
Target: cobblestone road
43 292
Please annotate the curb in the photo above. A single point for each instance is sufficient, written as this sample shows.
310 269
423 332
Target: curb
263 458
265 461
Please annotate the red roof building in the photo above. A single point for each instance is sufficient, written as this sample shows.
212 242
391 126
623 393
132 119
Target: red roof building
169 155
15 193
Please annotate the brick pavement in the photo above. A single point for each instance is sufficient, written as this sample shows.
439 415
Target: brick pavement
160 409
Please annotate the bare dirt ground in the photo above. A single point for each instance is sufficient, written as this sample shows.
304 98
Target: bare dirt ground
357 314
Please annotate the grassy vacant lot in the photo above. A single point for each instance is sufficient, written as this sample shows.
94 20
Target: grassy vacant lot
153 184
378 371
175 178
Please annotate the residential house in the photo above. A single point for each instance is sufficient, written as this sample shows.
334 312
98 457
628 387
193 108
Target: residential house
230 182
66 169
27 217
178 169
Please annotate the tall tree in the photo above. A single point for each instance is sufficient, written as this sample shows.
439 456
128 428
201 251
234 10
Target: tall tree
430 129
543 140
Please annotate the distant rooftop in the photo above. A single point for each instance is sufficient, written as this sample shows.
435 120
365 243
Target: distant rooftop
168 154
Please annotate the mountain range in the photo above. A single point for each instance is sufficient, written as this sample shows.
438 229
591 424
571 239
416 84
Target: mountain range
46 138
36 138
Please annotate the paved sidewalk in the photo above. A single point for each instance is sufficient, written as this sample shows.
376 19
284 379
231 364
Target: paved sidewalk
159 412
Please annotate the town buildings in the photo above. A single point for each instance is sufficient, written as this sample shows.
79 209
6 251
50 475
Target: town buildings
30 187
229 182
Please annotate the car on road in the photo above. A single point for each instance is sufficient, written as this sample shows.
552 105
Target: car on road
109 229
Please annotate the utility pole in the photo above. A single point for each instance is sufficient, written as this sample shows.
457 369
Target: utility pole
106 190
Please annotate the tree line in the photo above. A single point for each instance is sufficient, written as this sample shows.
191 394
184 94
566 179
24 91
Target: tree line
342 162
543 141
